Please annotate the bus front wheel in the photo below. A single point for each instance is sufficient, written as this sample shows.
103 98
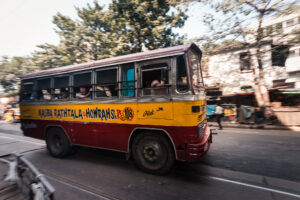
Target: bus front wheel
153 153
58 143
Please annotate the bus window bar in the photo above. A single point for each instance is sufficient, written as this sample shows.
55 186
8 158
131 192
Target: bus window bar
147 91
154 91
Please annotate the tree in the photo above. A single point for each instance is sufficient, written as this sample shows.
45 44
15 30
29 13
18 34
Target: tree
231 19
11 69
126 27
148 24
51 56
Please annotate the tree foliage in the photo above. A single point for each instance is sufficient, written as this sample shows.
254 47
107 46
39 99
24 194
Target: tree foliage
127 26
12 69
235 20
230 19
147 24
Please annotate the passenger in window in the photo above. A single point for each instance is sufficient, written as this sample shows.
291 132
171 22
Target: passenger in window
46 95
103 91
43 95
158 84
83 93
29 97
183 80
56 94
182 85
65 93
61 93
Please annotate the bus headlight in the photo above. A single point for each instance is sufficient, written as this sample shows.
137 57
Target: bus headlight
201 129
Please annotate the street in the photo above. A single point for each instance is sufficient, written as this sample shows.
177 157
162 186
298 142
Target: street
271 153
241 164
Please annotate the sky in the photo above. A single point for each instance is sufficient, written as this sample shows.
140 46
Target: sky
28 23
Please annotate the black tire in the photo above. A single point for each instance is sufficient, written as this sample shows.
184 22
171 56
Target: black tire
153 153
58 143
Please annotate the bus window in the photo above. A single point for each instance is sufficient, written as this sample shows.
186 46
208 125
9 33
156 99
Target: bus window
127 85
44 89
155 79
82 86
181 75
107 83
27 91
61 88
196 72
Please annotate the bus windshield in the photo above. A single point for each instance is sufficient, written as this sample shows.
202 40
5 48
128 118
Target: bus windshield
197 79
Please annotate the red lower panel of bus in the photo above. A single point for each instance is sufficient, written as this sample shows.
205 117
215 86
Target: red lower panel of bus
116 136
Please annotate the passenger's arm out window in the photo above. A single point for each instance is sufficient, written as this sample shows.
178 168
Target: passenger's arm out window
82 85
155 79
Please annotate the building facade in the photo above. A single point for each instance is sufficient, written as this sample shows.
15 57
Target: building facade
228 71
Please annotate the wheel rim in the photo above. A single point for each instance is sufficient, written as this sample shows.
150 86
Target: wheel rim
56 144
152 154
152 151
57 141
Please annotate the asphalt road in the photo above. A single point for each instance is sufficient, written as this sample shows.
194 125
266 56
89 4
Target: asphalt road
242 164
10 128
272 153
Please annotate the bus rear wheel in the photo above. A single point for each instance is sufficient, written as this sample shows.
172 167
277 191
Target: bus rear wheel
153 153
58 143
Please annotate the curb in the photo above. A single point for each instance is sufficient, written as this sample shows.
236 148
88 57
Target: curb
250 126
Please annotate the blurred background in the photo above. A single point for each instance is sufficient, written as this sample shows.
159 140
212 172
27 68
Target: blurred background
251 49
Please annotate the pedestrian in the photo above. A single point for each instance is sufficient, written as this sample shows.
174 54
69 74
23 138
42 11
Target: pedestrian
219 113
13 115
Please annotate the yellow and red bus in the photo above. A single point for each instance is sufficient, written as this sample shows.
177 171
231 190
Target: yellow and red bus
149 105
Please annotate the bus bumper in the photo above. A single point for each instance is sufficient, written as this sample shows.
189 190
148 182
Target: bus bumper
196 151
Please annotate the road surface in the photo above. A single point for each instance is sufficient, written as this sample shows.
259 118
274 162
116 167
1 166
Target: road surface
242 164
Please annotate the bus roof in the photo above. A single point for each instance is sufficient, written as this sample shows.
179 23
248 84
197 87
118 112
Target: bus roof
159 53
